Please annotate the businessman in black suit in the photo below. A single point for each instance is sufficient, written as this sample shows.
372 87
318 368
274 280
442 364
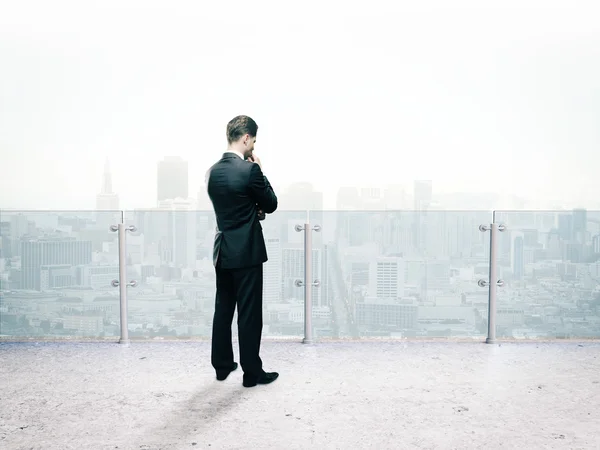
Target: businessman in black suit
240 194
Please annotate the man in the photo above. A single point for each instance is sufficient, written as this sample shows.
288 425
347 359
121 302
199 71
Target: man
240 194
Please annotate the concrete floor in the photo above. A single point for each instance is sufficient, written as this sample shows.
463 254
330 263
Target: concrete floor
353 395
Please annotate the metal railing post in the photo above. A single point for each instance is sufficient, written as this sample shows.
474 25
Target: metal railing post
120 283
307 283
491 337
308 330
492 286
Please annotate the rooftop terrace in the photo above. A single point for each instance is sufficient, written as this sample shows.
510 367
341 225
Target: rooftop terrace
333 395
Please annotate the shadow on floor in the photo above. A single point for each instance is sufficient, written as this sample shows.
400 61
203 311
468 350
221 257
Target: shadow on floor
191 416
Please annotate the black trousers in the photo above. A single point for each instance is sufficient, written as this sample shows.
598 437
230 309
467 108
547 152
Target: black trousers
244 288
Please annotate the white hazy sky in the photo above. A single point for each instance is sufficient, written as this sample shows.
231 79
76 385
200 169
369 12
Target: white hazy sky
502 98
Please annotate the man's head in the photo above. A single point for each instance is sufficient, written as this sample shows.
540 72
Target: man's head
241 134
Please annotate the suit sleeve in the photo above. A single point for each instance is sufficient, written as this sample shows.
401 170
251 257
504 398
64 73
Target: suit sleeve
261 191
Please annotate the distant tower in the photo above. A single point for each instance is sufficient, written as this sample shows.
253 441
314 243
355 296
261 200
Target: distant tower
107 200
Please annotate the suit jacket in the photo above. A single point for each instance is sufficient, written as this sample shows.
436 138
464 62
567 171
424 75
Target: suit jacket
237 190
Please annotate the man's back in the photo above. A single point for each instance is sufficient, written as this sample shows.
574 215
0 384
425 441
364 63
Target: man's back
238 189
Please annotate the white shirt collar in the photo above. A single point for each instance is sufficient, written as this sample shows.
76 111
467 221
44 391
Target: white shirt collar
236 153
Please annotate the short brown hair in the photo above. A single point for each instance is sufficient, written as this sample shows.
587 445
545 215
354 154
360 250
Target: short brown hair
239 126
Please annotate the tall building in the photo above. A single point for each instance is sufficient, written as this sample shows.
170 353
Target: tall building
11 230
178 238
553 244
107 200
580 225
38 257
565 226
172 179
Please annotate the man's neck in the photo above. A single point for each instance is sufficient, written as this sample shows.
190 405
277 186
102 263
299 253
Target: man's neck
232 150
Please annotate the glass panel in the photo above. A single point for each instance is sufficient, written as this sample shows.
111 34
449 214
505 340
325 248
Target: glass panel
550 264
170 255
401 274
56 270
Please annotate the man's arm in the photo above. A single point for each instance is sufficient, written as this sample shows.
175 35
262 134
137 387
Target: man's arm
261 190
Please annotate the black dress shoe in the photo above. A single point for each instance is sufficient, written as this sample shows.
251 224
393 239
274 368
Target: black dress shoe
223 374
264 378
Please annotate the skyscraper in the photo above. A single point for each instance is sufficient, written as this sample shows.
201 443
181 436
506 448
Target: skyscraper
107 200
172 179
579 225
179 218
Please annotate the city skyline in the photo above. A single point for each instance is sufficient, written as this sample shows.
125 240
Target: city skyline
172 176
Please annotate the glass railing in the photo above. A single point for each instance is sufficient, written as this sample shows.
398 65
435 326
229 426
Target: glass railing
170 258
410 274
549 262
56 270
402 274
